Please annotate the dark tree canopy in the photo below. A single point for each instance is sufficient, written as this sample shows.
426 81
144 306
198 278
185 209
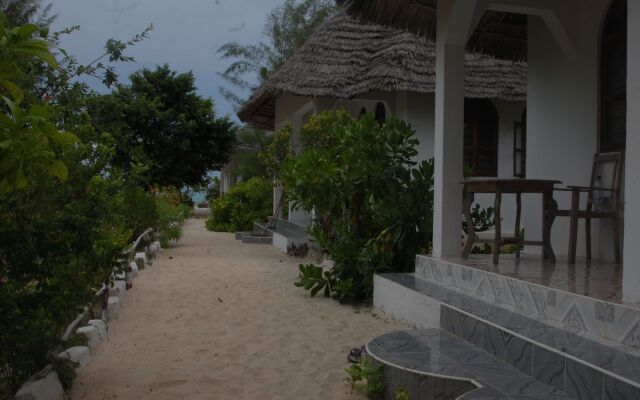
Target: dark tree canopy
20 12
164 131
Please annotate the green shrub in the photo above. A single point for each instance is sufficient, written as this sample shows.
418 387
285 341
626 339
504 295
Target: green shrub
244 204
372 204
170 219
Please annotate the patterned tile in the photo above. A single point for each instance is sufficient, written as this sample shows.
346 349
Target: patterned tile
582 382
574 321
548 367
616 390
495 342
520 354
632 338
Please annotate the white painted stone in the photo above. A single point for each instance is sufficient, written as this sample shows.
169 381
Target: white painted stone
47 388
141 260
78 354
153 250
147 251
112 308
134 269
91 334
158 245
101 326
118 289
406 305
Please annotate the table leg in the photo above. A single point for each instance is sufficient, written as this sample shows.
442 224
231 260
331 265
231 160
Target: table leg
518 215
498 237
548 207
471 229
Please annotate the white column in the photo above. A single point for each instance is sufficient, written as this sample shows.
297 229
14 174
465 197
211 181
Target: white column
454 21
630 260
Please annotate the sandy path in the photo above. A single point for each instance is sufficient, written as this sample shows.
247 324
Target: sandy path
213 318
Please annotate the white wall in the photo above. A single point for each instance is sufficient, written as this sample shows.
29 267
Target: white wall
631 274
562 108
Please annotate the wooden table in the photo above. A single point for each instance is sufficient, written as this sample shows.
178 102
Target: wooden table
517 187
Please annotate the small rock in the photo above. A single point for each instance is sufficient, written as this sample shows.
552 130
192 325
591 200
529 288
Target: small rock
100 326
79 354
91 333
118 289
134 269
112 308
47 388
141 260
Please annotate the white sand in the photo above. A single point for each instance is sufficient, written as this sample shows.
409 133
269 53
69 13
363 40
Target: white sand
223 320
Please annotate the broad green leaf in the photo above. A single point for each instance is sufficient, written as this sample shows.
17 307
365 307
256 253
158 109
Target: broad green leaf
59 170
13 89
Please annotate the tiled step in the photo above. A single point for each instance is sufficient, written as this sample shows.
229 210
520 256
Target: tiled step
583 368
599 320
434 364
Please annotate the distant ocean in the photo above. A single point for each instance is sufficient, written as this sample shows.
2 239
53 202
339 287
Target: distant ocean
198 197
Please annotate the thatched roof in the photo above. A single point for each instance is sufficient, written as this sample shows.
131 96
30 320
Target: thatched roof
345 58
499 34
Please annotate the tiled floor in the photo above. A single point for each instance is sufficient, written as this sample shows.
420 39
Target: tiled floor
597 279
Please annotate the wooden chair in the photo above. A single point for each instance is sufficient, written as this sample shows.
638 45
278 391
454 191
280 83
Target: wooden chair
610 190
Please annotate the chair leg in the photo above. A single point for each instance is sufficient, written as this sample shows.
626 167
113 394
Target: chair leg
616 240
587 232
573 228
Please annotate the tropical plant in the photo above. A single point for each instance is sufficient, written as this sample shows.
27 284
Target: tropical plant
278 151
241 206
372 204
160 124
286 29
246 159
67 211
367 377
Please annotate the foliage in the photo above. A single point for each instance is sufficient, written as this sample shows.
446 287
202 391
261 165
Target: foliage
171 216
315 279
20 12
483 219
241 206
67 210
317 133
402 394
163 129
246 159
278 151
286 29
367 377
372 204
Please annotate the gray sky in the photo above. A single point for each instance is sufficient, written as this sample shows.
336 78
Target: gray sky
186 36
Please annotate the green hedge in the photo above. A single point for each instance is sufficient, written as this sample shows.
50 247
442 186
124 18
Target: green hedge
245 203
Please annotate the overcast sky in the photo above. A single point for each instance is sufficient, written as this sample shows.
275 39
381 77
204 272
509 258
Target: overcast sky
186 34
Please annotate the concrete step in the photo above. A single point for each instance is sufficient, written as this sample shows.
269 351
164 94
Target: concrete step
434 364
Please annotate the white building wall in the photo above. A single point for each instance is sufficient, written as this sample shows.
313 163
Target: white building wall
562 123
631 272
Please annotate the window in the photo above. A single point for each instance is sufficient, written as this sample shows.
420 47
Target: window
481 137
613 79
381 113
520 147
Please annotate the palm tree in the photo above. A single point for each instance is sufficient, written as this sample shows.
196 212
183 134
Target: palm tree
286 29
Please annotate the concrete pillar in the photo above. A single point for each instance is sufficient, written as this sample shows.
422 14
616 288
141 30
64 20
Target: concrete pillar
631 265
455 18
